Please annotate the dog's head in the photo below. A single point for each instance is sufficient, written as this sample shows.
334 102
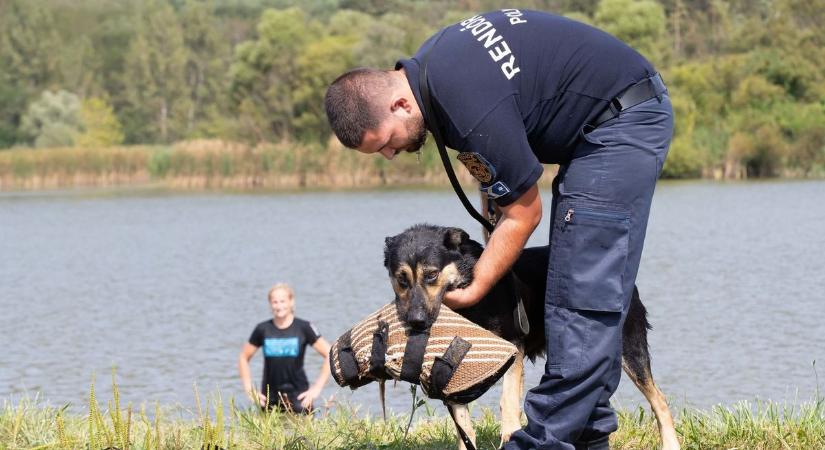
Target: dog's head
424 262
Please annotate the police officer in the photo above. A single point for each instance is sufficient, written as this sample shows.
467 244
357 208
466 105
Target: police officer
512 90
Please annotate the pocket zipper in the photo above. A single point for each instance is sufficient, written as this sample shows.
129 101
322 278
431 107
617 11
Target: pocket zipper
597 215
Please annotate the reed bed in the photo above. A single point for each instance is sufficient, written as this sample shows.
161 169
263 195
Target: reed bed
217 164
216 424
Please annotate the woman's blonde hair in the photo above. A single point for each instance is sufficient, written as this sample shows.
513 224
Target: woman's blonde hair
282 287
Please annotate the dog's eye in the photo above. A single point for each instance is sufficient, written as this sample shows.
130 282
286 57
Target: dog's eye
402 281
430 276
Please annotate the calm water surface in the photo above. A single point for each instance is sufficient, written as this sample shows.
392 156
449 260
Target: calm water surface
166 288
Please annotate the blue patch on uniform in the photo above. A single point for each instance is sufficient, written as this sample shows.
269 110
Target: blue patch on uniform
498 189
281 347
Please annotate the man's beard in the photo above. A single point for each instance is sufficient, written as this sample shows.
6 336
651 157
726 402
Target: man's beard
417 131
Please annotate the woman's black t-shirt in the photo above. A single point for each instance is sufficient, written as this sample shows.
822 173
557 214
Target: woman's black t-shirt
284 355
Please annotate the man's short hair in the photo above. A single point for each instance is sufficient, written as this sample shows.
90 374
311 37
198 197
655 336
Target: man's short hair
352 103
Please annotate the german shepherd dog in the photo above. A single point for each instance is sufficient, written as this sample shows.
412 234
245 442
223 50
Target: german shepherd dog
425 261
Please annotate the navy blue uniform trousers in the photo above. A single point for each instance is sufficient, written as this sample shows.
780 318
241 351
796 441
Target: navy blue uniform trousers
601 203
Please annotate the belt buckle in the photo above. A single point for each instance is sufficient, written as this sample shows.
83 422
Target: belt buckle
615 106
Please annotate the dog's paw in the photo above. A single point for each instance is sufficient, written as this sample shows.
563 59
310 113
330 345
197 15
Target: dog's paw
504 438
507 430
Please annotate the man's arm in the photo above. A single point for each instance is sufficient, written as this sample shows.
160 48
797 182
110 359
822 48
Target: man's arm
517 223
322 347
247 352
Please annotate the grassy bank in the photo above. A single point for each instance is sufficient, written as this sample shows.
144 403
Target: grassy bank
215 164
26 424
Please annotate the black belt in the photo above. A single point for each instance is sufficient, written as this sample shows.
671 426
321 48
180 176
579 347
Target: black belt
632 96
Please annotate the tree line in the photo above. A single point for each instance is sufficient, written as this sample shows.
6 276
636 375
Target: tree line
746 78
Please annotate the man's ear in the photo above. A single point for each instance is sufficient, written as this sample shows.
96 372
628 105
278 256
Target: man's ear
454 237
401 103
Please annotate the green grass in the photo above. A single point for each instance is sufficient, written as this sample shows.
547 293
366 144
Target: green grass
28 424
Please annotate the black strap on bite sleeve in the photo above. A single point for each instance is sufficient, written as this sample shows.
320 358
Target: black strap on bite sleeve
379 350
444 366
346 359
414 356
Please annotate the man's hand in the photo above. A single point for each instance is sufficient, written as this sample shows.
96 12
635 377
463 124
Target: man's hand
309 396
517 223
462 298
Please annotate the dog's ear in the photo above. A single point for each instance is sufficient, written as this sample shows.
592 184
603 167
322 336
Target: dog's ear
454 237
388 245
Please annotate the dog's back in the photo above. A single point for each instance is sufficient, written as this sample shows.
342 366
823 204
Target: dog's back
451 251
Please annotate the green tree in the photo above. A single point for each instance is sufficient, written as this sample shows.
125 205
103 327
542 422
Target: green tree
154 78
347 22
207 62
319 64
29 61
639 23
684 159
12 105
53 120
30 46
100 127
382 43
265 72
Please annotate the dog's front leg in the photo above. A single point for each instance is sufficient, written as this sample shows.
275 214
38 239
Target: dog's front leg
462 418
510 402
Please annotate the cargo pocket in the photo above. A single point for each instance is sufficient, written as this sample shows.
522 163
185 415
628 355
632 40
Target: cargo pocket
588 257
594 135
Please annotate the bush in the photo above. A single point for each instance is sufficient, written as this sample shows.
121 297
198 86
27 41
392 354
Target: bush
53 120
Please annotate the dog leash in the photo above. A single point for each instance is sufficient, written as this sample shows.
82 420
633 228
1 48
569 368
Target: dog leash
520 314
427 110
464 438
429 117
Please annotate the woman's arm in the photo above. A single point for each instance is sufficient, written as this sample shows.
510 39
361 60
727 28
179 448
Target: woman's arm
322 347
247 352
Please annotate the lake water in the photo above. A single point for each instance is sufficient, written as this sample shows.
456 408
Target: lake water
167 288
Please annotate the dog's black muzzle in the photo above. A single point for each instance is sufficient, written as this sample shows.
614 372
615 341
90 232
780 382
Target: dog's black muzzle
418 317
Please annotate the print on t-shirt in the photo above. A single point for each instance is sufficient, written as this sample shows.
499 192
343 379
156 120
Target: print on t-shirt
283 351
281 347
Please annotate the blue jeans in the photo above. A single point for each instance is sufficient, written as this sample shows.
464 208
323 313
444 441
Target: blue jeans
601 203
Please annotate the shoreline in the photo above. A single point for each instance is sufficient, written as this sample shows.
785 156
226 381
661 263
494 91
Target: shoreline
208 165
160 189
28 424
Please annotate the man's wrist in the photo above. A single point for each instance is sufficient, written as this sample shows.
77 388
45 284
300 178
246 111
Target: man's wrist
479 287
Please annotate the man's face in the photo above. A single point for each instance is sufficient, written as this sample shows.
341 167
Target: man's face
399 132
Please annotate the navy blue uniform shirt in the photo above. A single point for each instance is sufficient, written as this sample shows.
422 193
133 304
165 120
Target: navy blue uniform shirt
512 89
